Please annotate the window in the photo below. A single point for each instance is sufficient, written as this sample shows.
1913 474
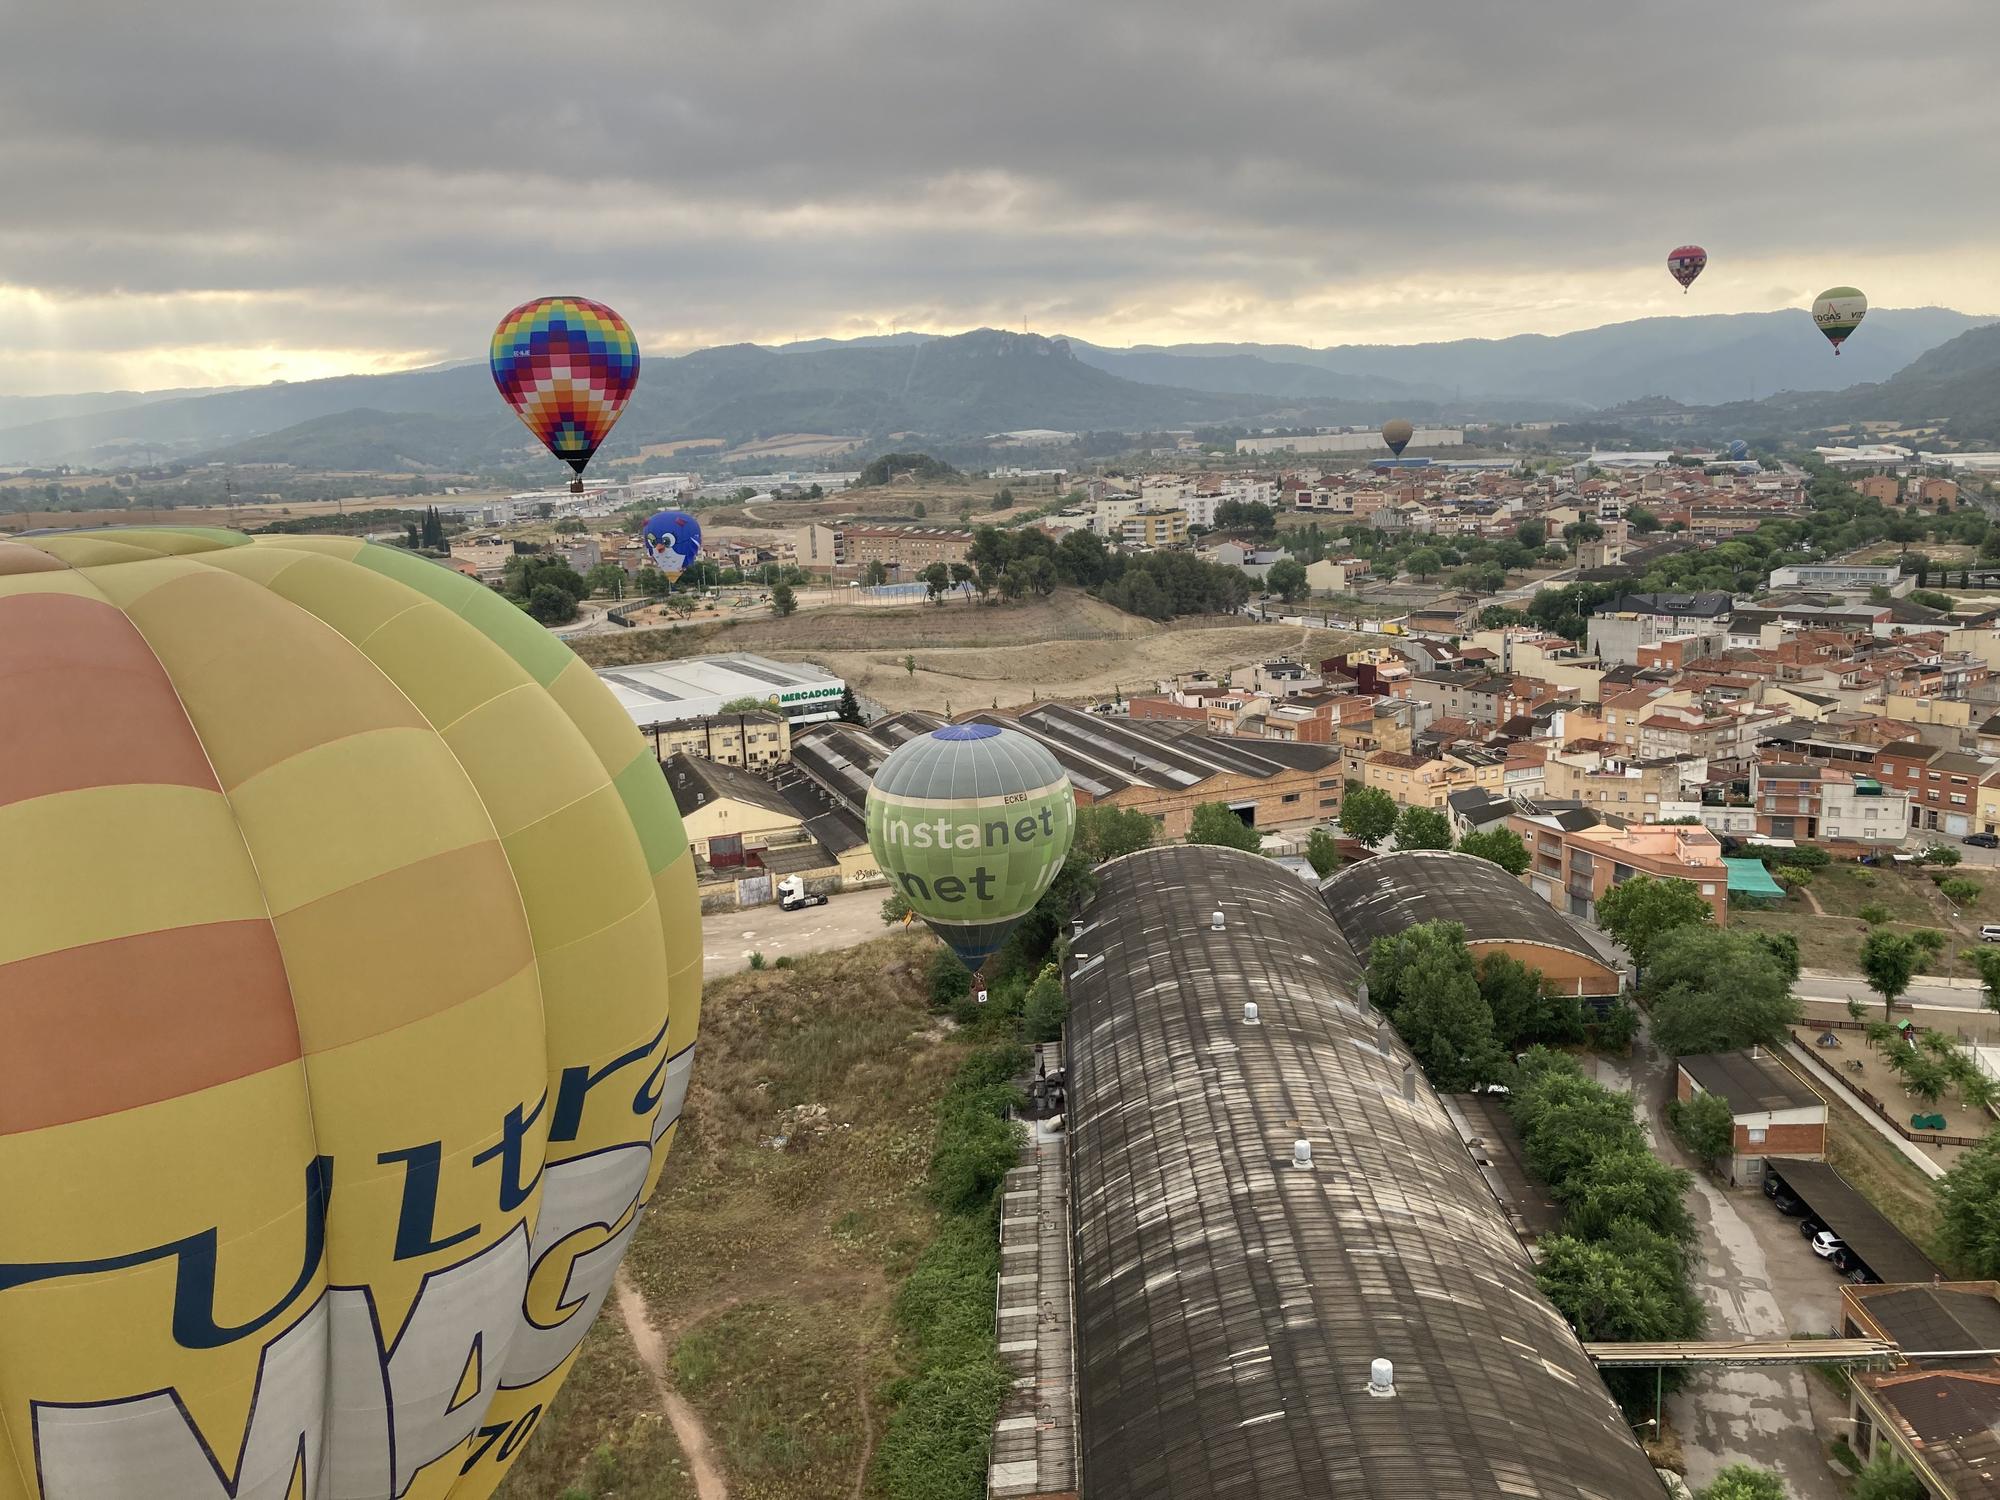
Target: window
1707 889
1757 1133
1937 776
1289 797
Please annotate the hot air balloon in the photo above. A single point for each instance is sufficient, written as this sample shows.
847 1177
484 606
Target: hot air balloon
1686 263
350 964
971 823
673 541
1838 311
1397 434
1739 450
567 366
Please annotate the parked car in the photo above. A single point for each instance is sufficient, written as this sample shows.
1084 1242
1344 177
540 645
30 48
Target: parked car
1826 1245
1982 840
1990 933
1786 1204
1809 1226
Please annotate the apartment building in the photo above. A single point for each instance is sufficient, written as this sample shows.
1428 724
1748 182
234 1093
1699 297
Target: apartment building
1575 858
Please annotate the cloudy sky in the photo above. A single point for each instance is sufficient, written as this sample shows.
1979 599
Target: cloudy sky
211 192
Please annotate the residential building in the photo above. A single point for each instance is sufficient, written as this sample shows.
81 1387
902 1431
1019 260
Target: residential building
753 740
1859 809
1147 530
1577 857
1942 785
905 550
1773 1111
1633 789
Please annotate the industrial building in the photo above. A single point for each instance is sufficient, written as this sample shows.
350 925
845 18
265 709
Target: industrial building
1941 1416
1149 766
1291 1281
1380 897
671 692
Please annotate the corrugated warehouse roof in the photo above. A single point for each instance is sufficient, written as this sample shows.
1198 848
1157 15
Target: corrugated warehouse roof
1380 897
1229 1303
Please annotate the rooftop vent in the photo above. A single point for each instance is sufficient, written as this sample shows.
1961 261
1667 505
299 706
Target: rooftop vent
1302 1153
1410 1082
1216 921
1381 1378
1362 994
1250 1013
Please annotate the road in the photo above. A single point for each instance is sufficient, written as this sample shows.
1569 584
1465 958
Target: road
1947 994
729 938
1758 1279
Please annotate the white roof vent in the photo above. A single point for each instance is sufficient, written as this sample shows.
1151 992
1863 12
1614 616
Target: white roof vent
1215 921
1250 1013
1410 1082
1362 994
1302 1153
1381 1378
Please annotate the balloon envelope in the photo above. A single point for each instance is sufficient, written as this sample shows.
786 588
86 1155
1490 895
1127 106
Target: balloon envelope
971 822
673 541
1838 311
567 366
1739 450
1685 263
350 964
1397 434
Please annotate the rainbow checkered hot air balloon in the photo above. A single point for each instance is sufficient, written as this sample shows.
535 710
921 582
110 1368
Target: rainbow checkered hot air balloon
567 366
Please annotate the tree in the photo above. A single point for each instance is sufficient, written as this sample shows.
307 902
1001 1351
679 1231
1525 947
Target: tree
1213 823
918 510
1502 846
1640 911
1987 962
1004 499
1960 891
1889 962
1524 1011
937 581
1642 520
783 600
1423 562
961 575
875 574
1742 1482
1367 813
910 665
1081 557
1941 854
569 526
1106 832
1705 1124
551 605
1968 1199
1887 1477
607 579
950 982
850 707
1531 534
1424 977
1716 990
1322 852
1047 1007
1423 828
1582 531
1784 948
895 909
1287 579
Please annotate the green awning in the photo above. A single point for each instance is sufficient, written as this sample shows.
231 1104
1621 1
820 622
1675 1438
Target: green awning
1748 877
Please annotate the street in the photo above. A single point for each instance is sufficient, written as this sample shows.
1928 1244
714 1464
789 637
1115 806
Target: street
1937 994
728 938
1758 1279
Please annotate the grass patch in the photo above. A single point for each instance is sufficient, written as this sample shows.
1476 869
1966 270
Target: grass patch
604 1435
777 1383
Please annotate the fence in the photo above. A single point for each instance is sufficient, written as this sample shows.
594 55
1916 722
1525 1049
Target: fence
1921 1138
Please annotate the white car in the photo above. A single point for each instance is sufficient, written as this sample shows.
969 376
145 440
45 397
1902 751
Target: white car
1826 1244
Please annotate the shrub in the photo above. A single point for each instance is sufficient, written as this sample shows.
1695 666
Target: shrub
950 982
1792 876
1873 915
1703 1124
756 960
1046 1007
1960 891
1616 1029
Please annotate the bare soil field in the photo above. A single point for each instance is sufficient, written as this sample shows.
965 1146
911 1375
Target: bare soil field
240 517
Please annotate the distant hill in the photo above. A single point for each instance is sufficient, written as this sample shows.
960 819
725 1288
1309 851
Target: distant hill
1955 387
957 389
17 411
1701 360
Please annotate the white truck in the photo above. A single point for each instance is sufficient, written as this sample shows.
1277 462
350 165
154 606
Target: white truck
793 895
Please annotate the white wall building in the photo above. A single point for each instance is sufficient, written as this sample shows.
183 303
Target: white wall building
1351 440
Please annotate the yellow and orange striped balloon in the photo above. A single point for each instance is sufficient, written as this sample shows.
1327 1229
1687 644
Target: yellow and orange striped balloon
349 974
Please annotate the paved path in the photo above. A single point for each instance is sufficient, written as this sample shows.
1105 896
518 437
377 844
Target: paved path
1758 1279
1925 991
728 938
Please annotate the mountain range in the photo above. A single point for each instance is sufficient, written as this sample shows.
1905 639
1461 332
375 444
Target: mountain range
961 387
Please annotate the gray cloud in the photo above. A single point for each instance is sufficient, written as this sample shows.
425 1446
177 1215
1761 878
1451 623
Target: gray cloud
382 176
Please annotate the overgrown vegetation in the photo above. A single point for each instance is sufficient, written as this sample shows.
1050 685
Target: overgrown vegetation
1461 1019
1619 1268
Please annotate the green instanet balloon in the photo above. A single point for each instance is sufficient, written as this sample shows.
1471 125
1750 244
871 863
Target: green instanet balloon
971 823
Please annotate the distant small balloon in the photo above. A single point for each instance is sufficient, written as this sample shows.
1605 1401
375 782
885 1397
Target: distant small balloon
1686 263
1739 450
1397 434
567 366
673 541
1838 311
